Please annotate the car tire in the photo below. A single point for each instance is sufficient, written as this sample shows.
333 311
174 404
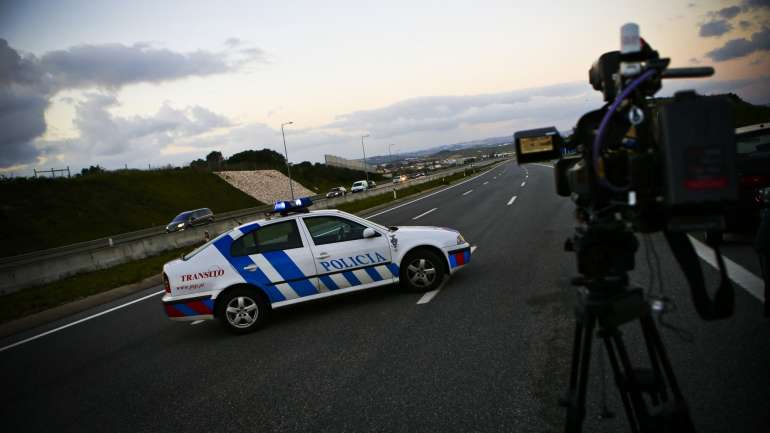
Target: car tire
242 310
421 270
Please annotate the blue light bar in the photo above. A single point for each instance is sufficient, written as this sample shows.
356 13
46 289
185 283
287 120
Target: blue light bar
298 205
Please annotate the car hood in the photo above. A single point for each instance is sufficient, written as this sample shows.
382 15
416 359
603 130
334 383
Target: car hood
440 234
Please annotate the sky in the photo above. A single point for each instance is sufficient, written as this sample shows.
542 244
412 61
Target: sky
148 83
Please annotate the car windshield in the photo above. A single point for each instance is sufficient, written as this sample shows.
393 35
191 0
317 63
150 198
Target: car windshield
360 183
750 144
181 217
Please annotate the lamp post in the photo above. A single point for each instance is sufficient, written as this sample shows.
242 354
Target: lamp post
364 150
286 154
390 157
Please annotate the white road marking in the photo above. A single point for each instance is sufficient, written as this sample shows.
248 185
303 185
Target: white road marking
740 276
473 249
510 202
429 195
543 165
523 183
468 192
428 296
424 213
197 322
27 340
485 182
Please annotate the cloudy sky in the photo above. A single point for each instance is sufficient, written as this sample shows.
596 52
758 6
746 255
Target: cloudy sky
148 82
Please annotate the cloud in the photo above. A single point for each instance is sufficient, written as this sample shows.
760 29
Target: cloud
729 12
115 65
714 28
756 4
736 48
28 83
438 113
744 24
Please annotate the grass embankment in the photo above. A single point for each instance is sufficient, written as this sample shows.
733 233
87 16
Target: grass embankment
36 214
387 197
36 299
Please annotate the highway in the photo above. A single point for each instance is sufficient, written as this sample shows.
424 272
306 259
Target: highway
489 352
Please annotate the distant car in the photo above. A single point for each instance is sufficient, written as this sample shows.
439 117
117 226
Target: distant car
190 218
359 186
753 169
339 191
372 184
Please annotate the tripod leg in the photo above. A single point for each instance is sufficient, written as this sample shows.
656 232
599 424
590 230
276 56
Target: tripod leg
681 422
619 379
581 360
631 385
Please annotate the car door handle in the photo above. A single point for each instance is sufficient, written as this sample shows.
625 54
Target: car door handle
250 268
323 256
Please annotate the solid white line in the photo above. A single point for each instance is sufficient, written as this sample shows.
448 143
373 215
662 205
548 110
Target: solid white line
468 192
19 343
485 182
429 195
740 276
510 202
523 183
424 213
428 296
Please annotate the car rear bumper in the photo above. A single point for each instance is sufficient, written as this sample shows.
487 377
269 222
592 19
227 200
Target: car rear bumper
188 309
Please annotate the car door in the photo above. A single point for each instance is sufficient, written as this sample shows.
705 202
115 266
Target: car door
275 258
344 258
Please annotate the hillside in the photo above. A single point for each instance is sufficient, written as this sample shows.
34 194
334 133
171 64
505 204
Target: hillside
267 186
36 214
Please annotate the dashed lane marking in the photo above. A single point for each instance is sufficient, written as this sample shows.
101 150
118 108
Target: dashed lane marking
510 202
197 322
485 182
429 195
424 213
468 192
523 183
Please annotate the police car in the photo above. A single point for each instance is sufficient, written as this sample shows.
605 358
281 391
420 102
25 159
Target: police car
297 255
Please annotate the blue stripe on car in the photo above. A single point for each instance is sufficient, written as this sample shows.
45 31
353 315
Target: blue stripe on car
329 283
351 277
184 309
374 274
290 272
393 268
257 277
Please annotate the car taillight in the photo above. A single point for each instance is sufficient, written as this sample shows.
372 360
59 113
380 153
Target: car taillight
754 181
166 285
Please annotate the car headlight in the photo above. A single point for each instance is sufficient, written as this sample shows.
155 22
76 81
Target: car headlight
460 239
180 225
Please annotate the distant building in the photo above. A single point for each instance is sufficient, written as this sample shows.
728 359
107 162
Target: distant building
336 161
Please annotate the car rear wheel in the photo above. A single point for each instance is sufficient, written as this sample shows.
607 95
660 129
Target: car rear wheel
421 271
242 311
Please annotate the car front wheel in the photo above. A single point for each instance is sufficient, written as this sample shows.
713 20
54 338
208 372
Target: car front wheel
421 271
242 311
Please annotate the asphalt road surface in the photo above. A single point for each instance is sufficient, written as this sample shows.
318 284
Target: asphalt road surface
488 353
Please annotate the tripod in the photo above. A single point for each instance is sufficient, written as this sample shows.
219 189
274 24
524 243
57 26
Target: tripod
644 392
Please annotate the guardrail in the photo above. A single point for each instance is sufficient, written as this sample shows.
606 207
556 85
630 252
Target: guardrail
40 267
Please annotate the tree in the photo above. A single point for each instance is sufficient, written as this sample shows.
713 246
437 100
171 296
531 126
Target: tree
214 159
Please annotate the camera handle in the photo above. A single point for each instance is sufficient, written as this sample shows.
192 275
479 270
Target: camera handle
723 304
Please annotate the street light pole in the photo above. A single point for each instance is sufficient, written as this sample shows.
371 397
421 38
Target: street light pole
286 154
364 150
390 157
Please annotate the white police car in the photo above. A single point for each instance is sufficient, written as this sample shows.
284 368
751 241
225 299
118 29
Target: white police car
239 276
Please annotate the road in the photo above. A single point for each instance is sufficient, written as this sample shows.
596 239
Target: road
488 353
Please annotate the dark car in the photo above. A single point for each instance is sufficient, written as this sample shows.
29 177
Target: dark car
190 218
753 169
338 191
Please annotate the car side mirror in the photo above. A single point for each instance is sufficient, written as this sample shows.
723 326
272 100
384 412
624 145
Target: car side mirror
370 233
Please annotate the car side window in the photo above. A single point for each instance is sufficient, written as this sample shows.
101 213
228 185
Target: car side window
273 237
331 229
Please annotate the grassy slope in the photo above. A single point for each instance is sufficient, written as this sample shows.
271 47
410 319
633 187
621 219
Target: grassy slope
43 213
